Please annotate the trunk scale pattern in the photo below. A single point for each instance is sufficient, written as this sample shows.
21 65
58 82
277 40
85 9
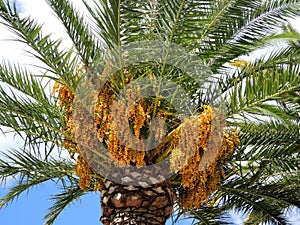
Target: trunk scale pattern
146 204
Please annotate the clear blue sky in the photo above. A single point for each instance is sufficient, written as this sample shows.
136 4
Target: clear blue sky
31 207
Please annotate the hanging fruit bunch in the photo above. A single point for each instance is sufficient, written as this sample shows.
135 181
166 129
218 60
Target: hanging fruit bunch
196 157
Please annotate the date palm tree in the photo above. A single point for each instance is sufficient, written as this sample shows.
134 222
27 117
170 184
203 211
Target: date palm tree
228 133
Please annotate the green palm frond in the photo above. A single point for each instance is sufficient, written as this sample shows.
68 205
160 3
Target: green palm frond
266 199
107 18
263 181
210 215
257 84
30 170
22 80
290 41
61 201
222 30
31 111
78 30
139 20
274 155
271 134
247 23
60 63
29 117
262 178
265 204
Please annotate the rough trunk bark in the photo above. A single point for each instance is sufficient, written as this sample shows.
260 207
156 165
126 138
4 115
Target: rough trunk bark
141 205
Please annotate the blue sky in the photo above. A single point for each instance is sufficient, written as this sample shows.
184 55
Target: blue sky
31 207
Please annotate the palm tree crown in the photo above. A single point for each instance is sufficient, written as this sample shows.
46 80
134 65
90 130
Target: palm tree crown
228 134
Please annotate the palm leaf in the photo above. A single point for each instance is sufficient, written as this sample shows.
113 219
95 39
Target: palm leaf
106 15
30 170
60 63
31 111
139 20
264 83
78 30
26 116
61 201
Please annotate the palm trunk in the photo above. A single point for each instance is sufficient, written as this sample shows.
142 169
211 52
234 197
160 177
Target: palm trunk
141 205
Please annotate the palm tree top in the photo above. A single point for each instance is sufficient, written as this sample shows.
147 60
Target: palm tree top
257 150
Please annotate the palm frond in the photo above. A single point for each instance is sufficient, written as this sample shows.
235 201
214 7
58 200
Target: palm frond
264 175
106 14
263 201
171 14
61 201
30 170
39 121
209 215
223 30
267 198
263 205
276 153
259 20
257 84
139 20
290 42
22 80
60 63
78 30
